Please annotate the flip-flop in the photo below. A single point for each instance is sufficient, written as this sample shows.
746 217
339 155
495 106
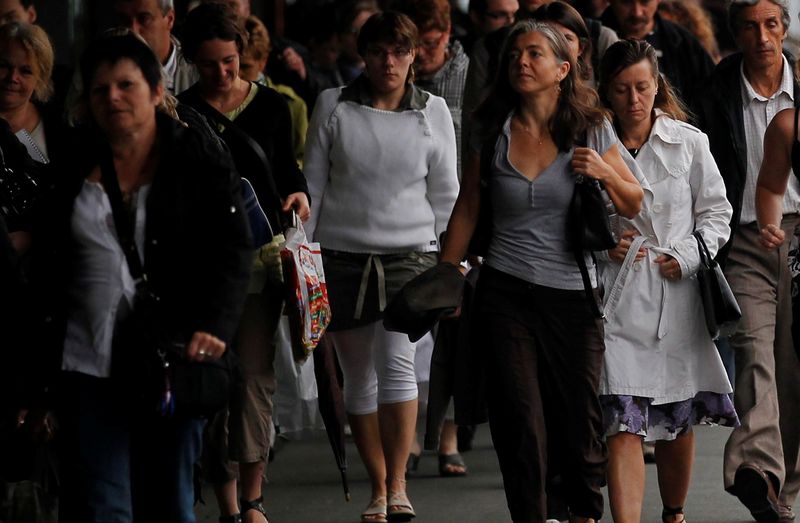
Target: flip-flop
451 460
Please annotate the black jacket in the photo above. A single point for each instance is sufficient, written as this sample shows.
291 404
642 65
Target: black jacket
197 252
683 60
719 114
267 121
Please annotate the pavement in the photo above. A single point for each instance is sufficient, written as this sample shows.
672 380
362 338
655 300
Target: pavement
304 487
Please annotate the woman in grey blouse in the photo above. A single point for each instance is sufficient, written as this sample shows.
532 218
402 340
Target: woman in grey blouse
543 345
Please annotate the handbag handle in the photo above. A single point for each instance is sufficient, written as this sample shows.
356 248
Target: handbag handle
705 255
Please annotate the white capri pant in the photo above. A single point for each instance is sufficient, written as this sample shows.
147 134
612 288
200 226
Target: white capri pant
378 367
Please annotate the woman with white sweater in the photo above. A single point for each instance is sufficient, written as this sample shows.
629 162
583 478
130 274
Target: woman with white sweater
381 171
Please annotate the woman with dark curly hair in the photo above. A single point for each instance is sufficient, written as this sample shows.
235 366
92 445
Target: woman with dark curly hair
539 127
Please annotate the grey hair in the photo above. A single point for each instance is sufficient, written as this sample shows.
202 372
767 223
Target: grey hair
165 5
735 7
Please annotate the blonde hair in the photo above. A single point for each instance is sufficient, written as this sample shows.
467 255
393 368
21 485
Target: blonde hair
37 44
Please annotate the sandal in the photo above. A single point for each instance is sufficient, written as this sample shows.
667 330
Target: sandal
255 504
452 465
400 508
375 511
668 513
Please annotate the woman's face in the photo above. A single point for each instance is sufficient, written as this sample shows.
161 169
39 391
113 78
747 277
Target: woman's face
387 66
572 39
249 68
533 67
218 65
632 93
121 100
18 76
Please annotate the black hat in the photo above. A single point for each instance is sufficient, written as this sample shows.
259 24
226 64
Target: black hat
424 300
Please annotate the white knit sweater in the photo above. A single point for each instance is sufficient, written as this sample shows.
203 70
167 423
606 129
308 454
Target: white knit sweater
380 181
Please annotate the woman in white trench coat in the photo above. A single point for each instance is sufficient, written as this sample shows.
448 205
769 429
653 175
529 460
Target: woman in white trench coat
662 373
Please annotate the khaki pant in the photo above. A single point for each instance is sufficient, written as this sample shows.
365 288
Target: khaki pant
242 433
767 391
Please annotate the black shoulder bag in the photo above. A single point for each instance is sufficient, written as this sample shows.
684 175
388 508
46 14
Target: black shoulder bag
148 360
280 220
592 225
721 308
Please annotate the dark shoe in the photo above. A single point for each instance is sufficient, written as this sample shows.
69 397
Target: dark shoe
412 465
452 465
756 492
649 451
786 513
465 435
253 505
234 518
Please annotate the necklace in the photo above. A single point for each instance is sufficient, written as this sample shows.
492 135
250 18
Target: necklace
527 130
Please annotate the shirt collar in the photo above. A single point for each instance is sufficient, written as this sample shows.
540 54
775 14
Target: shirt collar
358 91
786 86
665 128
171 66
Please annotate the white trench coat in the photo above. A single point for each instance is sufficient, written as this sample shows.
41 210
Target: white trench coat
657 345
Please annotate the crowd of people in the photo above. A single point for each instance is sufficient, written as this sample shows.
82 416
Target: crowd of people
404 134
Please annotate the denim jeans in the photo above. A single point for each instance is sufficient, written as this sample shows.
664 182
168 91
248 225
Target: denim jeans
117 467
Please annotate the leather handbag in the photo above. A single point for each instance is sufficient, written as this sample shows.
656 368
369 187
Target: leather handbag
722 311
149 355
592 219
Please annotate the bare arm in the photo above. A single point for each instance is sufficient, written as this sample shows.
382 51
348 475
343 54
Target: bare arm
622 187
774 177
465 213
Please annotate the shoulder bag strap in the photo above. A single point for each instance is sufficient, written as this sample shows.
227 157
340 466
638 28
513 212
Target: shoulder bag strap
122 221
217 117
582 141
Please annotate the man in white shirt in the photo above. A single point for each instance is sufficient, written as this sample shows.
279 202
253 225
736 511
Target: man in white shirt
153 21
745 92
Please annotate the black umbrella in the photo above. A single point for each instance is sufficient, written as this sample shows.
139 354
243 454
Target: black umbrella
331 405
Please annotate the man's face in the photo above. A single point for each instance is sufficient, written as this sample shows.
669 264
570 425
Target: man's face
635 17
499 13
14 11
144 17
760 35
432 51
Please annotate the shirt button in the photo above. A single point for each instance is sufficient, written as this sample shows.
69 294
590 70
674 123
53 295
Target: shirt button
233 209
658 208
637 266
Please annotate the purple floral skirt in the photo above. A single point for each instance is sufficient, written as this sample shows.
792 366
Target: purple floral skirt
636 415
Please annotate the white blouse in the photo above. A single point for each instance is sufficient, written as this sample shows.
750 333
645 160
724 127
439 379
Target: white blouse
102 288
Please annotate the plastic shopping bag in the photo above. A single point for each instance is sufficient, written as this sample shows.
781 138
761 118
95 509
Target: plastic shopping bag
307 303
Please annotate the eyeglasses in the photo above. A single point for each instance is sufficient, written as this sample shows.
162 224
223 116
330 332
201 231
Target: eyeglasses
382 53
508 16
431 44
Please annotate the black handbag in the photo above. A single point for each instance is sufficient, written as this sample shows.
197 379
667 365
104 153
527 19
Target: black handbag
721 309
592 219
148 358
18 190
